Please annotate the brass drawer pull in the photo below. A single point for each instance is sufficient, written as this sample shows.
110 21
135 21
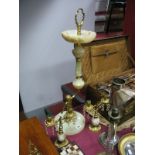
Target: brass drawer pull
105 54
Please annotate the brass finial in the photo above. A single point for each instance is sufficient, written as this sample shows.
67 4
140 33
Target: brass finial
79 23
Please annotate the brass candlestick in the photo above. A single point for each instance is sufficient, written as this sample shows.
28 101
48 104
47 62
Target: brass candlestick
95 122
62 140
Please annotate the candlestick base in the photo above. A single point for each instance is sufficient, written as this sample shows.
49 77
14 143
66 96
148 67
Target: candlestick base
94 128
59 144
105 153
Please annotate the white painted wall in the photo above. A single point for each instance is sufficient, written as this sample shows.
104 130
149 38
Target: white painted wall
46 60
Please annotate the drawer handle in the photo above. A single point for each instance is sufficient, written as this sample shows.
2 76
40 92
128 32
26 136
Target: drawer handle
105 54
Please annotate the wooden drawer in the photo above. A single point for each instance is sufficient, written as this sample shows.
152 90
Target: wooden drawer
107 56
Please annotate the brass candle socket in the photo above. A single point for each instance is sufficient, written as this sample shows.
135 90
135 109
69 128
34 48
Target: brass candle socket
49 122
115 116
88 106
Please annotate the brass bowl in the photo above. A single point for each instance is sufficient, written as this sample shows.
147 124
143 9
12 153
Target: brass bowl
126 139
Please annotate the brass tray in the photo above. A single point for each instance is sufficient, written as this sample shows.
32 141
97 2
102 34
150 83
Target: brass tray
124 140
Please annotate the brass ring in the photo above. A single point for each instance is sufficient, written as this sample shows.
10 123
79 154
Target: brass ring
79 23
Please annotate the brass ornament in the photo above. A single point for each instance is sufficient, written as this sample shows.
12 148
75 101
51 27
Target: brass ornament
33 150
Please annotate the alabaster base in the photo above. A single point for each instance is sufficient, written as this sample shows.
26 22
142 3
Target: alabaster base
72 127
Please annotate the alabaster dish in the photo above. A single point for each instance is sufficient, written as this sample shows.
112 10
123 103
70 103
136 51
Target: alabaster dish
84 37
